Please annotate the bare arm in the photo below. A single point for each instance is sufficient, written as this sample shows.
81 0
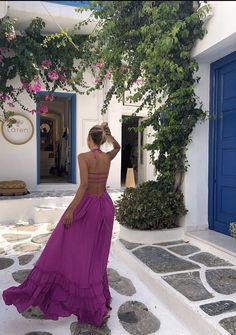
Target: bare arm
116 146
68 218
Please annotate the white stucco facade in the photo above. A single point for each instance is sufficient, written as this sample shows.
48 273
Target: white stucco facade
20 161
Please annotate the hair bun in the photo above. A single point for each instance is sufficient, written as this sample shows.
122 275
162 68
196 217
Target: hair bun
104 125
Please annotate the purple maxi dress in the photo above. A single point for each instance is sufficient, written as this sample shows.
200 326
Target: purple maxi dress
70 277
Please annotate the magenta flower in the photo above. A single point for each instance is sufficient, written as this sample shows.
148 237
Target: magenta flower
4 97
62 78
98 81
34 88
43 109
25 85
10 104
49 97
46 63
100 65
108 74
139 81
53 75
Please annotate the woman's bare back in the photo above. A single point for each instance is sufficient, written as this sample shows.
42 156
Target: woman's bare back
98 163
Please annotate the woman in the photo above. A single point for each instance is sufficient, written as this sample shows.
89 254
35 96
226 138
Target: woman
70 277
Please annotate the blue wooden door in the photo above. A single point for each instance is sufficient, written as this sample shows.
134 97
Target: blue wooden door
223 144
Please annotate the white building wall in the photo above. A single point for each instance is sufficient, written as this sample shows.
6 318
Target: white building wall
20 161
195 185
221 33
219 41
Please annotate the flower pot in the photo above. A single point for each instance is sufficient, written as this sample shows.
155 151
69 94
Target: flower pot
151 236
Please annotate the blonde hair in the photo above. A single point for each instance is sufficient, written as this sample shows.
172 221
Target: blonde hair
98 133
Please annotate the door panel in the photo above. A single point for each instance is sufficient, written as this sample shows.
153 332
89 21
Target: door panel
224 193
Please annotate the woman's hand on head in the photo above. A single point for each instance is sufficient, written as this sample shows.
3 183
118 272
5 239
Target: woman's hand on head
107 131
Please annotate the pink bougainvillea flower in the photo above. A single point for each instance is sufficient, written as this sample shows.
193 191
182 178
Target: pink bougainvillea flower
100 65
10 36
43 109
139 81
10 104
108 74
25 85
4 97
53 75
34 88
62 78
47 63
33 111
1 58
49 97
98 81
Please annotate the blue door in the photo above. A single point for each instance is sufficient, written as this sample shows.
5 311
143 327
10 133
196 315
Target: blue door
222 162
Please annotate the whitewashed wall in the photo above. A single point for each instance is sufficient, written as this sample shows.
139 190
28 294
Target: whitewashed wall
20 161
217 43
221 33
195 186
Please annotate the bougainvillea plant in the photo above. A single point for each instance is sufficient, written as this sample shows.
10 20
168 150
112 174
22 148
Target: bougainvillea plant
36 62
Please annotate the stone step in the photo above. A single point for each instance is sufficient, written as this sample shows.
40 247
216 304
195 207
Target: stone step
43 214
186 311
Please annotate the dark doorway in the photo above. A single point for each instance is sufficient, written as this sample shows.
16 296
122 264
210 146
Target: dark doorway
130 147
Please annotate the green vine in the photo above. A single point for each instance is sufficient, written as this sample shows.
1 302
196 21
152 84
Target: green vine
145 46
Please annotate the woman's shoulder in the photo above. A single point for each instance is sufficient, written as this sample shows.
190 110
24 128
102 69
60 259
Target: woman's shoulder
86 153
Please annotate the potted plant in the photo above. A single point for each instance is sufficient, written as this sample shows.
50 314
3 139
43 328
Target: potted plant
149 213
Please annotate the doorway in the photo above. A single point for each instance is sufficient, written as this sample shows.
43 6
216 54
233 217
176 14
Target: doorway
56 140
132 152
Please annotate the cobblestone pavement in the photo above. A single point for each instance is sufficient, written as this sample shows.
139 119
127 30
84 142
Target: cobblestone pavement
134 309
203 278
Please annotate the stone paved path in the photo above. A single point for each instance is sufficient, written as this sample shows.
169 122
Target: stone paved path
204 279
134 311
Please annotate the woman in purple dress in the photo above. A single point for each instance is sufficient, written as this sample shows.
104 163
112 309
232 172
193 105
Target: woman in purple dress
70 276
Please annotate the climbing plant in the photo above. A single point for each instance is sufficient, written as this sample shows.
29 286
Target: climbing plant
145 48
36 62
